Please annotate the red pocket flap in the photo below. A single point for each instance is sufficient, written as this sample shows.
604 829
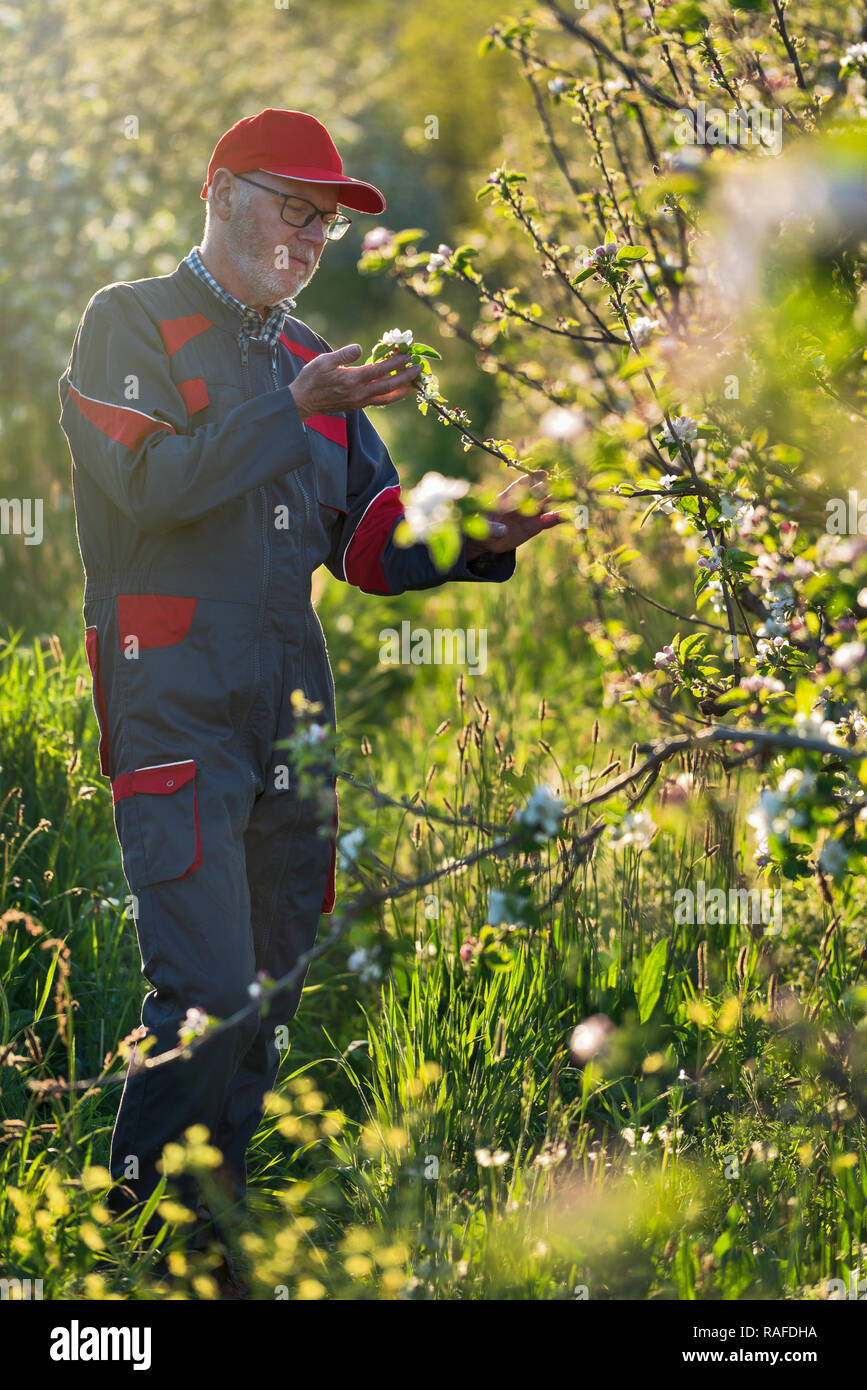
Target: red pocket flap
161 779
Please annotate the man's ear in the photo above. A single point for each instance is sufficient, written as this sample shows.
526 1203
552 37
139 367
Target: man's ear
223 194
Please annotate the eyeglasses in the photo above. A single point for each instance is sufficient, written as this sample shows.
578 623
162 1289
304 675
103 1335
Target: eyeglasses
295 211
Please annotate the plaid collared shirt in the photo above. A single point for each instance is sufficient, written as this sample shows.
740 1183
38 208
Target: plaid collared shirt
251 319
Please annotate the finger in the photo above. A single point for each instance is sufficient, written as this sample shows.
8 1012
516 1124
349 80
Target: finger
391 367
528 483
399 381
375 371
387 398
376 396
344 354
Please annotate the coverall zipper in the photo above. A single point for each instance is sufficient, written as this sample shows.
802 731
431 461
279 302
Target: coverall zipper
306 496
266 550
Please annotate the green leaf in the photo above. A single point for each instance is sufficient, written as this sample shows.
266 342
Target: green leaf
408 235
445 545
150 1207
692 646
650 980
631 253
805 696
687 15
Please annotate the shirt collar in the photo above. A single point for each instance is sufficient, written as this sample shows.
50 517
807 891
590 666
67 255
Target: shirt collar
251 320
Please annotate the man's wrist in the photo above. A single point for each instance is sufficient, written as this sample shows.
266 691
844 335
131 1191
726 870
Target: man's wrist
302 413
474 549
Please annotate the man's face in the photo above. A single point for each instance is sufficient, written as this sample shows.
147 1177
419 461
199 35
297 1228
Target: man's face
255 237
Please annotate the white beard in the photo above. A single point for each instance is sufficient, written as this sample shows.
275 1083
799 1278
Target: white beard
254 258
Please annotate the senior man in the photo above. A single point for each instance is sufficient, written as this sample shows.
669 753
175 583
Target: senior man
221 453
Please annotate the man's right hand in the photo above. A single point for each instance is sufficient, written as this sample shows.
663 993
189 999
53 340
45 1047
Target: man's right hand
328 384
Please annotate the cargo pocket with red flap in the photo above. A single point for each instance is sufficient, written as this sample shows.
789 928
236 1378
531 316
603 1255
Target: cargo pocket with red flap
91 644
330 897
157 816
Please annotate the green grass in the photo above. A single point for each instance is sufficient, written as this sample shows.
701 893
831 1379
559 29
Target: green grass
365 1175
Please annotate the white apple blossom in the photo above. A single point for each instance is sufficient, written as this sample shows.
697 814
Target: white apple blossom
776 811
598 256
643 328
762 855
366 964
486 1159
849 656
807 726
683 428
559 423
636 829
855 56
375 238
591 1037
712 562
797 782
312 734
767 816
349 847
749 518
834 858
394 336
756 682
542 813
428 503
195 1022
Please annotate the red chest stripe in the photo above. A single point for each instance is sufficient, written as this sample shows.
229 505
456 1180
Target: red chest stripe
176 332
362 561
194 393
298 349
332 427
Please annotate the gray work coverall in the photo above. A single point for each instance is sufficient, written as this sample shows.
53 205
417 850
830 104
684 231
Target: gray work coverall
187 448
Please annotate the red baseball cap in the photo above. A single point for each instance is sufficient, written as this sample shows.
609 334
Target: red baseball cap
295 146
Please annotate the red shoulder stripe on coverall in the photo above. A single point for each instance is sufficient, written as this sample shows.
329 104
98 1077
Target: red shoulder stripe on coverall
118 422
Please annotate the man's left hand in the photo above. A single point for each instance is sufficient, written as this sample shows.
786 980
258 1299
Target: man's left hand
518 527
